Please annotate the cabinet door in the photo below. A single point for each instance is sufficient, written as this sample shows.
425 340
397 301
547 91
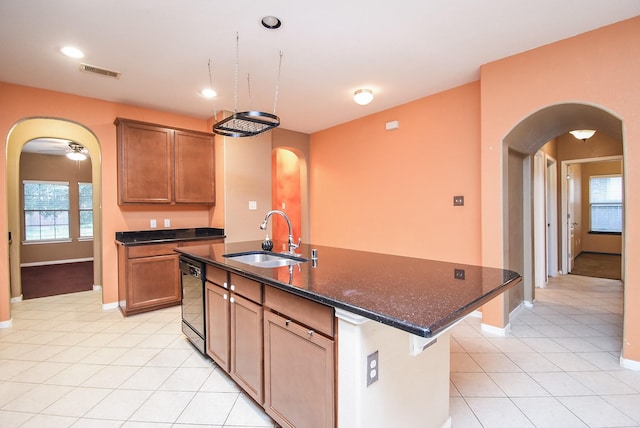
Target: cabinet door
145 163
153 282
246 345
194 168
299 374
217 329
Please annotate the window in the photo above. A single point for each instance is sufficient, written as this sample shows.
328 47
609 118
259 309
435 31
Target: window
605 203
46 210
85 205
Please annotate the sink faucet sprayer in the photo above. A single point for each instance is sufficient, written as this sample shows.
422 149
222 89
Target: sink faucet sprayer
292 244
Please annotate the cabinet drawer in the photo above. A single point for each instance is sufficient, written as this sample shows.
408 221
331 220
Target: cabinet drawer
151 250
246 287
216 275
314 315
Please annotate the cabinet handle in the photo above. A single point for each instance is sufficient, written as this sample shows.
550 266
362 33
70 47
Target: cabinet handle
232 300
287 322
225 285
224 296
310 333
233 287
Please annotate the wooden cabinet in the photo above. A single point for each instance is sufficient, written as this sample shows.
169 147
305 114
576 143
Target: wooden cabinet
217 328
246 335
163 165
299 361
149 278
234 328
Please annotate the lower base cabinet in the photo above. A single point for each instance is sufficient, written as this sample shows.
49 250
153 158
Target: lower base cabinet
246 346
299 373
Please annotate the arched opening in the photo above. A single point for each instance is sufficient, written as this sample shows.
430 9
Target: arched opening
30 129
520 196
286 193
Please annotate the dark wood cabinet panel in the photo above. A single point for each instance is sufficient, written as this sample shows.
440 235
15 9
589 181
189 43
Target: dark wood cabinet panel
299 374
156 283
217 328
246 345
194 168
145 163
163 165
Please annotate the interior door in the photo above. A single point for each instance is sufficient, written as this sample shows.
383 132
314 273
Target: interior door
574 200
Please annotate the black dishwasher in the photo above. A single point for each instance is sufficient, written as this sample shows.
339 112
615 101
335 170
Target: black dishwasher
193 315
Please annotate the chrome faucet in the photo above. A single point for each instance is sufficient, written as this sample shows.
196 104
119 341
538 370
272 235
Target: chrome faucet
292 244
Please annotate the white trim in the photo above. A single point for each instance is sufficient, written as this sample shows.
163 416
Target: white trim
630 364
56 262
447 423
97 287
497 331
16 299
50 241
6 324
109 306
528 304
517 310
476 314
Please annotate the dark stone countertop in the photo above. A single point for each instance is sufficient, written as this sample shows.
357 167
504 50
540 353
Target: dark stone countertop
159 236
420 296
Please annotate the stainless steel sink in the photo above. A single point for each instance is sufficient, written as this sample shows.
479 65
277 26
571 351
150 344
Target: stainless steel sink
265 259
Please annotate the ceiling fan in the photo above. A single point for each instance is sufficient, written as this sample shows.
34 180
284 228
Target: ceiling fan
57 146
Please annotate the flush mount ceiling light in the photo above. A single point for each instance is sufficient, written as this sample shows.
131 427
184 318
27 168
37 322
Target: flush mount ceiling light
76 152
363 96
271 22
72 52
583 134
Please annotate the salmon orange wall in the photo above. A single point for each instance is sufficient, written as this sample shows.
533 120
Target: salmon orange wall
392 191
599 68
19 102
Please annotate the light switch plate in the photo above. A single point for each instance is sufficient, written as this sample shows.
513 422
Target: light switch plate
253 205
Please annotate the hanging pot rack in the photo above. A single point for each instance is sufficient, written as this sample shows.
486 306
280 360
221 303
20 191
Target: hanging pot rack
251 122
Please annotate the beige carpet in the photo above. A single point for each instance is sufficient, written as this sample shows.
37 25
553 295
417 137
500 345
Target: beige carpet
598 265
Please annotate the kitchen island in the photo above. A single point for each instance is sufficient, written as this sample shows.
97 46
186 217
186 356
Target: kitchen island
392 310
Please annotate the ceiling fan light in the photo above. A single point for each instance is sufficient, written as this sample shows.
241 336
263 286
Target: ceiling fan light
583 134
363 96
77 156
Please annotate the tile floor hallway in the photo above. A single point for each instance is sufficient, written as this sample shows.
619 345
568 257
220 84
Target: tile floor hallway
559 367
66 363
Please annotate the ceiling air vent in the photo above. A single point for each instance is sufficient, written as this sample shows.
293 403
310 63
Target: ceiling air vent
97 70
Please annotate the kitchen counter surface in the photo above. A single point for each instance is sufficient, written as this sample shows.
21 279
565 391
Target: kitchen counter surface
142 237
420 296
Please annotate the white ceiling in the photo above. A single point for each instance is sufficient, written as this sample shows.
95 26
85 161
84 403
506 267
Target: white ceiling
403 51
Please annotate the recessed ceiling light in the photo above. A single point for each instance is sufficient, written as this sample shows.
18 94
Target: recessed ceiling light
271 22
208 93
72 52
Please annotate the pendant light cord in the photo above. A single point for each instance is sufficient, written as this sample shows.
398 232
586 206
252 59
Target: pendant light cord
275 101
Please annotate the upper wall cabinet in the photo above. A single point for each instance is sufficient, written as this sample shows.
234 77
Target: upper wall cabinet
162 165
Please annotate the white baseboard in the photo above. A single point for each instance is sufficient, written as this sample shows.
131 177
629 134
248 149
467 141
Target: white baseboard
97 287
630 364
16 299
109 306
497 331
475 314
56 262
528 304
6 324
447 423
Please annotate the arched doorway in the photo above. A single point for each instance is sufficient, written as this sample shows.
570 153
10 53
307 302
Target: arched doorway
40 127
520 146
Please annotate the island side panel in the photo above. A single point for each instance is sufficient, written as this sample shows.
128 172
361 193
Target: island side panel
411 391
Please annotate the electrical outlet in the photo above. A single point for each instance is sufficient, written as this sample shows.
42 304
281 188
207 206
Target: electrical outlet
153 223
167 222
458 273
372 368
253 205
458 201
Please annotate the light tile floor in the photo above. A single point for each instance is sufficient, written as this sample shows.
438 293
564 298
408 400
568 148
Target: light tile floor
67 363
558 367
